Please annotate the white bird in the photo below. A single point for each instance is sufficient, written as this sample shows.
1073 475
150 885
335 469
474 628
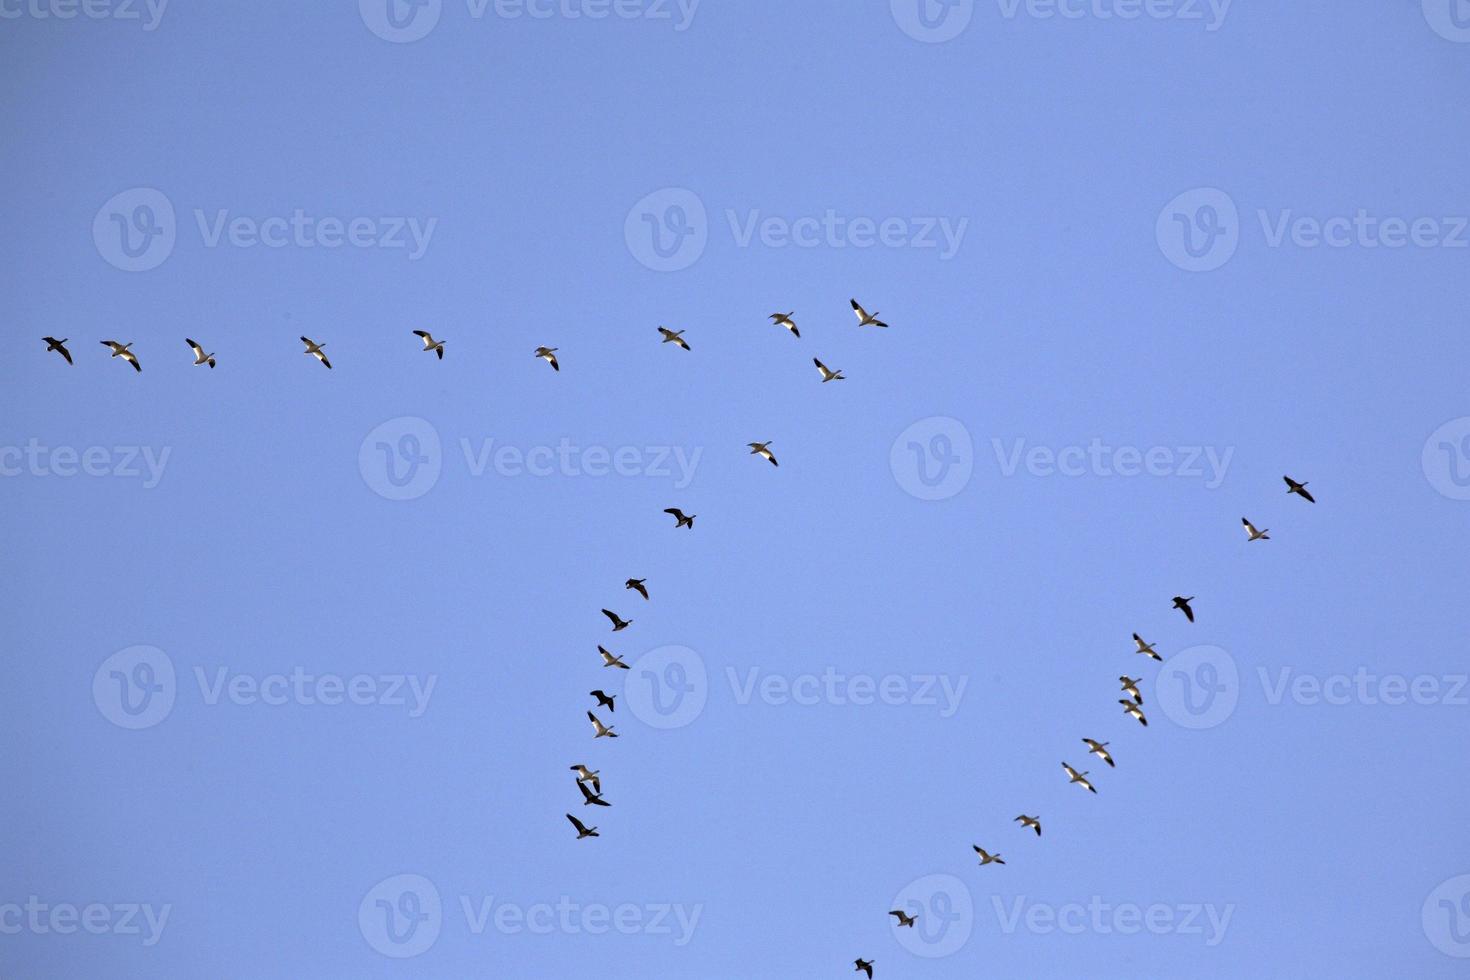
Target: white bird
866 319
586 775
121 350
986 857
430 343
1130 687
1033 822
608 660
547 354
1253 534
601 729
1146 648
315 350
762 449
828 375
1132 708
199 356
582 829
784 320
1099 749
1078 777
673 337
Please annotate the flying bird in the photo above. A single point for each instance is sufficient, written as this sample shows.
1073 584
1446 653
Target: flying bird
604 700
1182 604
680 518
903 919
590 798
1132 708
1130 687
866 319
1300 489
586 775
1033 822
121 350
547 354
784 320
437 346
1099 749
1078 777
828 375
199 356
315 350
864 966
673 337
608 660
1147 648
636 584
59 346
582 829
1253 534
601 729
762 449
618 624
986 857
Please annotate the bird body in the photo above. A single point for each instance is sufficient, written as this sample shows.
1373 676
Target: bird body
636 584
437 346
315 350
680 518
59 346
1300 489
673 337
904 920
784 320
591 797
548 354
986 857
864 966
866 319
1252 534
605 700
603 731
1099 749
1146 648
762 449
582 829
1130 687
1033 822
1182 604
121 350
1080 778
1132 709
199 356
827 373
586 775
618 624
608 660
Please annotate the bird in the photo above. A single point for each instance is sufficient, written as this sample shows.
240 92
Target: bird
437 346
636 584
605 700
582 829
903 919
1033 822
121 350
673 337
864 966
601 729
586 775
866 319
1132 708
680 518
1147 648
762 449
1078 777
1182 604
315 350
1253 534
618 624
1300 489
608 660
1099 749
59 346
547 354
828 375
1130 687
986 857
199 356
589 797
784 320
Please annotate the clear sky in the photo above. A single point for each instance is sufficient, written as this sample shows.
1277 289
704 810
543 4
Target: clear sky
299 659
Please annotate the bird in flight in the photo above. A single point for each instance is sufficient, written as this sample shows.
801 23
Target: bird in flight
1300 489
762 449
618 624
582 829
608 660
586 775
1099 749
828 375
636 584
1181 603
589 797
680 518
601 729
1130 687
605 700
903 918
1132 708
315 350
1078 777
1033 822
986 857
673 337
866 319
548 355
784 320
437 346
121 350
1147 648
864 966
1253 534
199 356
59 346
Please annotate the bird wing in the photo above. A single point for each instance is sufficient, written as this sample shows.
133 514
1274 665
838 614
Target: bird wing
612 616
61 349
421 333
581 829
323 358
857 308
198 351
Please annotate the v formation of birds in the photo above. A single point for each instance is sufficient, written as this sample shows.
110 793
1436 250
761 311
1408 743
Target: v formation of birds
588 780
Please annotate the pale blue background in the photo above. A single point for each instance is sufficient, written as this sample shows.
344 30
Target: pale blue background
1060 320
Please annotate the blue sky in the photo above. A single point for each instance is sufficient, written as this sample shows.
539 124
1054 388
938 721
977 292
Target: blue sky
300 659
